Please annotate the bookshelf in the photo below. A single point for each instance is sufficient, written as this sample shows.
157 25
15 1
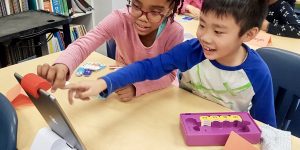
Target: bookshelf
21 28
28 24
77 15
88 19
24 25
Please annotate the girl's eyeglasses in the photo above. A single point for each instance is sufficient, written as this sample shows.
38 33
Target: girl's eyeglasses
137 12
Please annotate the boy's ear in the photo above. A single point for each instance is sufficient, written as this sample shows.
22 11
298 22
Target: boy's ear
250 34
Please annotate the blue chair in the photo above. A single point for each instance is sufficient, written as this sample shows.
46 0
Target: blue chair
8 125
111 48
285 71
297 11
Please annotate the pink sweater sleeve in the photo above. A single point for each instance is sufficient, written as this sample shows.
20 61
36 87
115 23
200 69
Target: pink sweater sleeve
165 81
195 3
79 50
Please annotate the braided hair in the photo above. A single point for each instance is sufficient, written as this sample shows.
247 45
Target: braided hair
176 4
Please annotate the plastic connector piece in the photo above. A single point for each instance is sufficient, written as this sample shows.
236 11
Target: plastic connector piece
80 71
31 83
87 72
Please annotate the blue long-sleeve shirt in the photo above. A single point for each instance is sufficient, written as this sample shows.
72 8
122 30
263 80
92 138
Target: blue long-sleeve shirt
247 87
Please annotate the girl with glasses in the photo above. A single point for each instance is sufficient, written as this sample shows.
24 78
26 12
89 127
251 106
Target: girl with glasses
145 29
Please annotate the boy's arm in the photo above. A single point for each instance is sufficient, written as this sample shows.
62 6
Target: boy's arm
182 57
292 26
80 49
263 108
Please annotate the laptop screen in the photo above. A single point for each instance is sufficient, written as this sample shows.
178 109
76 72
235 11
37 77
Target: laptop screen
55 117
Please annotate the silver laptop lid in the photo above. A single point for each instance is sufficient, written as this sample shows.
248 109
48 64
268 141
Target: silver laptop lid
55 117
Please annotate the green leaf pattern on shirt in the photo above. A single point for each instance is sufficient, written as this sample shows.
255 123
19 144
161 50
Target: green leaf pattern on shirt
227 89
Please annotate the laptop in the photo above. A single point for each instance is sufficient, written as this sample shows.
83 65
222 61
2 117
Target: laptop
55 117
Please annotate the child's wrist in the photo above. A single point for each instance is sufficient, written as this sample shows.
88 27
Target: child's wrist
103 84
103 92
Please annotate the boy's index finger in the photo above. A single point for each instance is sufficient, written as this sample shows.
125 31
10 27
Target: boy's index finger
70 96
71 86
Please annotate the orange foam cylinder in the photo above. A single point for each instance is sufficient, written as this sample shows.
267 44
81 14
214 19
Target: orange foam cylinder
31 83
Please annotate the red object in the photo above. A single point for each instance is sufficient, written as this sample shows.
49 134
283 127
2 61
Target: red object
21 100
31 83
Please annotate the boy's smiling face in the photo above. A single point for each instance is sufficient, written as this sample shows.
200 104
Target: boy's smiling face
219 37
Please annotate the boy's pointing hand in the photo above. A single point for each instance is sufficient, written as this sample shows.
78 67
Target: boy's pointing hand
85 89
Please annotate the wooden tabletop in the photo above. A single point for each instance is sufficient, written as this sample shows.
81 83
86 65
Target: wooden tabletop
290 44
149 122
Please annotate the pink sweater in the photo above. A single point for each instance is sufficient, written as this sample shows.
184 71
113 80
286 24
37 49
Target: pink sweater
118 25
196 3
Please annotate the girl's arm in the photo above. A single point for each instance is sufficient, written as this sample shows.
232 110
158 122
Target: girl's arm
292 26
84 46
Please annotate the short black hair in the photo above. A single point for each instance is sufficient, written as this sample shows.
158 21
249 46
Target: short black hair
247 13
176 4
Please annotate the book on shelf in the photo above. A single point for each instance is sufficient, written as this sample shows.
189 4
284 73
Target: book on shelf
63 7
47 5
55 40
81 6
2 8
18 50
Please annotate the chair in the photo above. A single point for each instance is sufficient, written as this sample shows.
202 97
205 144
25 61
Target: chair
111 48
285 71
297 11
8 125
291 2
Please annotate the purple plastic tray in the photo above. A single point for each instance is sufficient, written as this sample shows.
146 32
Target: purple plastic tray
218 133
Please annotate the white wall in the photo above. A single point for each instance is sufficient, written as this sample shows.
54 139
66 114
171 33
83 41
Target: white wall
101 9
118 4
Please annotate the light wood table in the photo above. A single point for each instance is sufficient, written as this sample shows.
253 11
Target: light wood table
290 44
149 122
